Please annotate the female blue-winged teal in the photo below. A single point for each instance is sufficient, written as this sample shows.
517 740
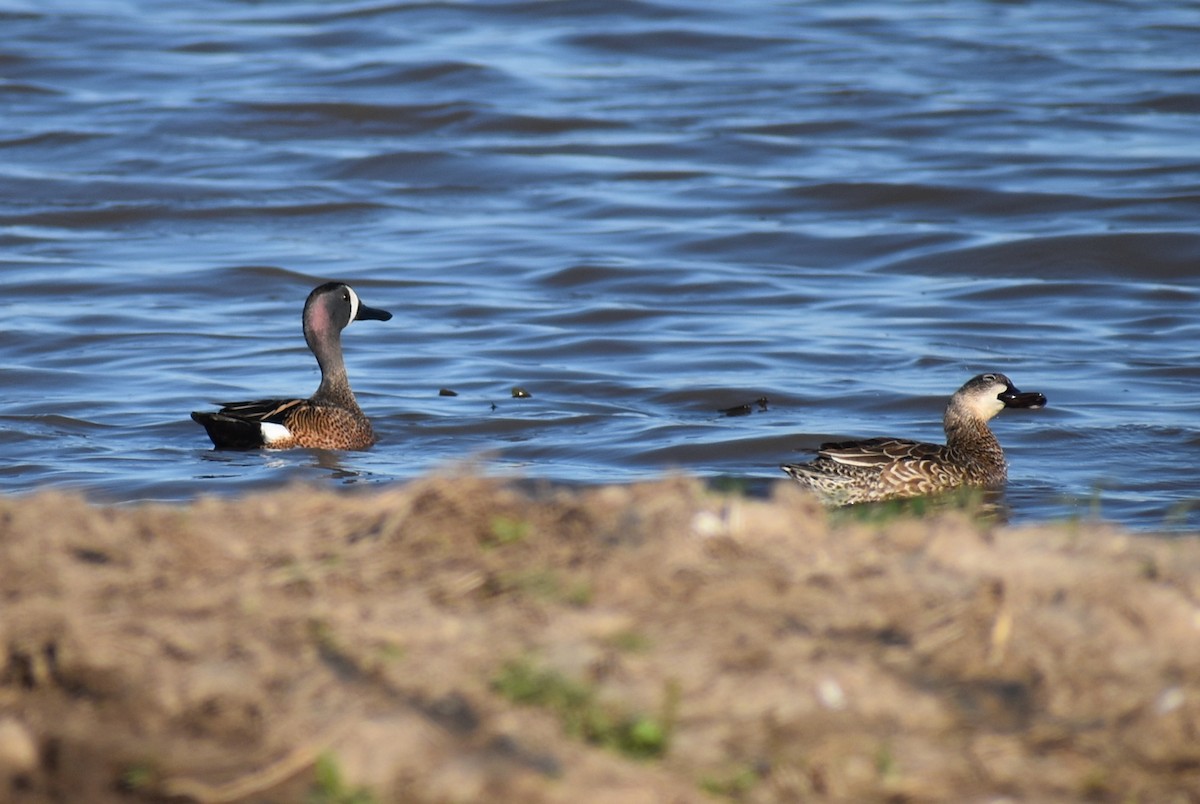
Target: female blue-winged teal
889 468
331 419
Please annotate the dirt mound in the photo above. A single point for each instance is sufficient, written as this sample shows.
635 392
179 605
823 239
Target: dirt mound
460 639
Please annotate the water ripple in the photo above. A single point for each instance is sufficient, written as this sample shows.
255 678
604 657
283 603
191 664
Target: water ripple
642 211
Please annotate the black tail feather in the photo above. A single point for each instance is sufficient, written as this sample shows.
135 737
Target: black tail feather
230 432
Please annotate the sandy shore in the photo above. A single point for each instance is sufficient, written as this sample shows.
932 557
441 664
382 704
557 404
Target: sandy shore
459 639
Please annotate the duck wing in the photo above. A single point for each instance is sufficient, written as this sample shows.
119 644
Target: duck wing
876 453
274 411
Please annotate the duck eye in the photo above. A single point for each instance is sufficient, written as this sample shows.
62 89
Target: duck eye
989 377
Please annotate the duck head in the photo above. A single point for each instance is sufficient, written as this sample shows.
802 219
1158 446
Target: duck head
988 394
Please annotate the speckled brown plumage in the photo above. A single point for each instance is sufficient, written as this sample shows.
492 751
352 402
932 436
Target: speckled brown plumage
879 469
312 424
331 419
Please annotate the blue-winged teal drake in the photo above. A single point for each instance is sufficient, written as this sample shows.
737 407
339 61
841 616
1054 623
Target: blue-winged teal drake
331 419
889 468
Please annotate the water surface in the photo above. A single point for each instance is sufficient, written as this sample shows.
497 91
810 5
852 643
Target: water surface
642 212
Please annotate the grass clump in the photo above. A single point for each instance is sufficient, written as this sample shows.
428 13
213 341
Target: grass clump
548 585
583 716
142 776
972 501
1177 515
733 784
352 659
629 641
330 786
885 761
506 530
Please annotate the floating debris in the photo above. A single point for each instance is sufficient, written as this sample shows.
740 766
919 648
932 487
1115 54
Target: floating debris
520 393
447 392
746 409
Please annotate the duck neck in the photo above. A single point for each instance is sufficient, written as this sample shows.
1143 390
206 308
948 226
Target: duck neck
972 442
335 385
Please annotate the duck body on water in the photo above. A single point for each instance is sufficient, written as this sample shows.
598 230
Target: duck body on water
330 418
879 469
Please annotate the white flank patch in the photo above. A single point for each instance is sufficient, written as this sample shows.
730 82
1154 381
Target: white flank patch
273 433
353 303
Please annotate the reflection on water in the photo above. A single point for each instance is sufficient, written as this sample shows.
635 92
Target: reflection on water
646 214
331 462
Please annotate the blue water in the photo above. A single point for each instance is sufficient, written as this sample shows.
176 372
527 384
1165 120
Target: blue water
641 212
